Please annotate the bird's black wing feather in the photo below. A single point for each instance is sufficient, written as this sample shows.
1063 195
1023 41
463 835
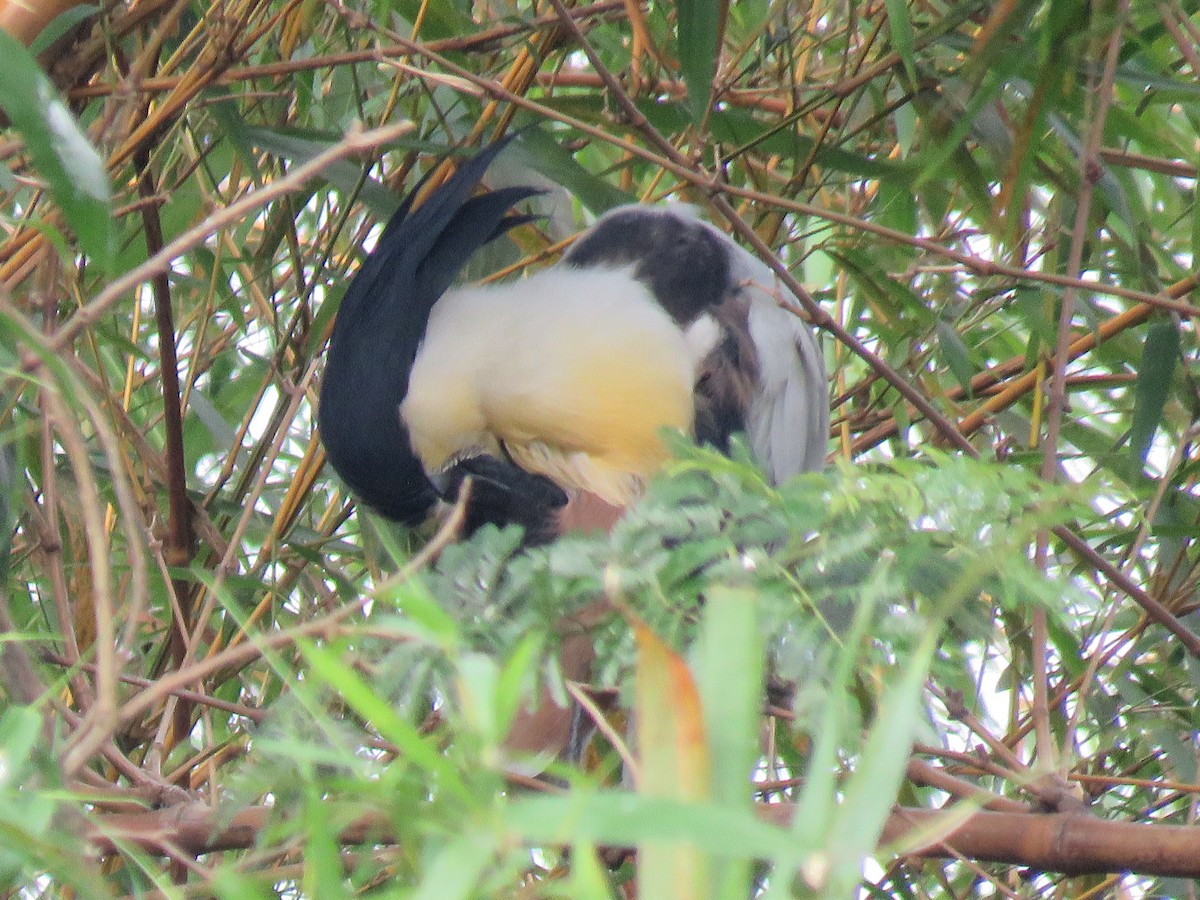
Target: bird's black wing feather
478 221
380 324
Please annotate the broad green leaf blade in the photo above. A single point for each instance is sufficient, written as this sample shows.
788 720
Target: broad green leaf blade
414 746
457 868
513 675
621 819
901 28
230 884
59 149
1160 353
674 759
700 25
322 864
437 20
61 24
20 734
731 656
871 792
731 662
478 683
955 354
542 151
588 878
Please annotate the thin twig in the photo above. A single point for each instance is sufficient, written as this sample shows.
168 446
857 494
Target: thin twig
179 538
1090 172
351 145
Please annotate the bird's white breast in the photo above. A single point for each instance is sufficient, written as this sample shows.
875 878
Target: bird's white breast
575 371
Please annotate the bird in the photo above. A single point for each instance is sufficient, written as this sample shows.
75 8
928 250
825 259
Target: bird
554 390
550 394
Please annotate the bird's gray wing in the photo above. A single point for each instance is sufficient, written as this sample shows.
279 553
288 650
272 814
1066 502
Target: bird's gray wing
788 419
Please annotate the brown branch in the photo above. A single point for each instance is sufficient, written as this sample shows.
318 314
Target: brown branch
180 540
237 709
1070 843
49 523
923 773
1090 172
750 98
18 676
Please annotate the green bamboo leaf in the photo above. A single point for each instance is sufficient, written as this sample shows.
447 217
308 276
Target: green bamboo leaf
588 878
955 353
730 678
299 146
59 150
439 19
622 819
1160 353
477 680
456 869
1107 184
953 116
61 24
818 796
901 28
10 500
871 792
1195 231
739 128
322 863
544 152
20 735
415 747
675 761
230 884
515 673
700 25
1159 87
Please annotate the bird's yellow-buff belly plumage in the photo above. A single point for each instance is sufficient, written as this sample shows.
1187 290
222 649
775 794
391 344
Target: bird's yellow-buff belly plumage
574 374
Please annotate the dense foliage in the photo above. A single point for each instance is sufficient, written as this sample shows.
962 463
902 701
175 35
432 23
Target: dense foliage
977 617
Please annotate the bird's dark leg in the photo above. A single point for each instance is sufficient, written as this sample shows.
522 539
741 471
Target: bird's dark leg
501 494
551 729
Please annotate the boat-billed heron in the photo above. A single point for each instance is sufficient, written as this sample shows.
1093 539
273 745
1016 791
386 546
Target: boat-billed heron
558 386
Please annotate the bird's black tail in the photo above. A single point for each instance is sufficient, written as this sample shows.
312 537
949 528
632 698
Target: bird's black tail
380 324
